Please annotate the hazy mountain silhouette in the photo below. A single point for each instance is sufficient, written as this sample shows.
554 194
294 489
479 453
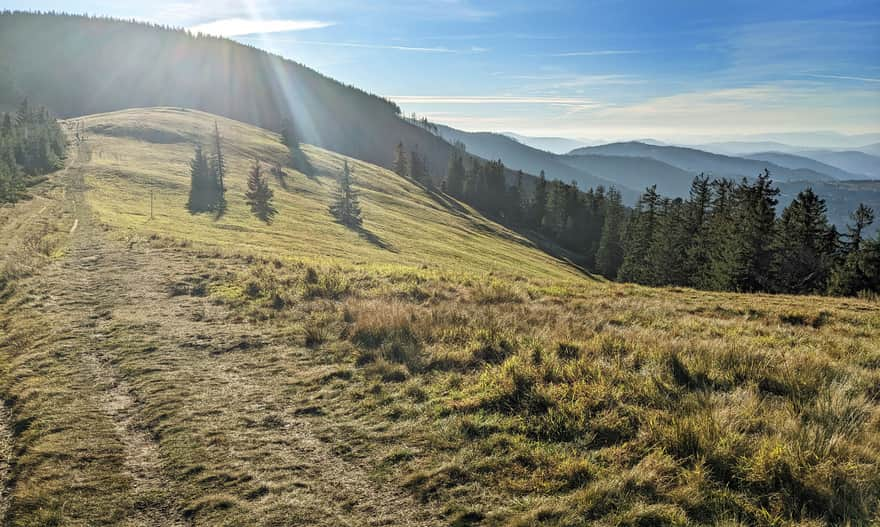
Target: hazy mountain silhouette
867 165
693 160
796 161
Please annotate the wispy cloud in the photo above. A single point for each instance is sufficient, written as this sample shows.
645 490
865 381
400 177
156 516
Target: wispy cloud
844 77
366 45
493 99
594 53
231 27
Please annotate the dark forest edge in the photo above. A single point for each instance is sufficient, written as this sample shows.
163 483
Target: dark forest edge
32 144
726 236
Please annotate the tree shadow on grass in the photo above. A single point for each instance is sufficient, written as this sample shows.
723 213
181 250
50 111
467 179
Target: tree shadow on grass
375 240
300 162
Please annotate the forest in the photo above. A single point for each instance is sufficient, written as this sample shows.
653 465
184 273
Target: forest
31 144
727 236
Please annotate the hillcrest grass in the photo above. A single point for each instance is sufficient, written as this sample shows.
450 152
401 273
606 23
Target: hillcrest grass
525 403
494 383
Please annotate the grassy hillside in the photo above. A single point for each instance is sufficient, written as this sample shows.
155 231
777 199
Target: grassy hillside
93 65
188 370
133 152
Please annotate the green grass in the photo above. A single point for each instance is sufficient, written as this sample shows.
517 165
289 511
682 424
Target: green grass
412 230
299 374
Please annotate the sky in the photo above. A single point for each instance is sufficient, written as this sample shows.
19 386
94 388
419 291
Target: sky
675 70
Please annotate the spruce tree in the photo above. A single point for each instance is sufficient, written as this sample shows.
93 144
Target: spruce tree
23 115
697 216
259 195
289 137
803 255
218 162
755 218
455 174
514 202
609 255
201 191
667 251
400 160
639 236
345 207
539 202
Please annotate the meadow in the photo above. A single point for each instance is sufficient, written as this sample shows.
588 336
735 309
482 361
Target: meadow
436 370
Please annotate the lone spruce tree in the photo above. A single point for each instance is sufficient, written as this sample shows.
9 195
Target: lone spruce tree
400 167
201 190
345 207
259 195
218 162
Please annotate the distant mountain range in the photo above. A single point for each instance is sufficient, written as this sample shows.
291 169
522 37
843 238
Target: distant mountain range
556 145
800 162
632 166
699 161
519 156
852 161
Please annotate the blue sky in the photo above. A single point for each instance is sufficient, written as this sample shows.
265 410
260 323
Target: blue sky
612 69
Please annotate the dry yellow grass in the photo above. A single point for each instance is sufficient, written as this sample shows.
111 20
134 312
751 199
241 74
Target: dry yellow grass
219 372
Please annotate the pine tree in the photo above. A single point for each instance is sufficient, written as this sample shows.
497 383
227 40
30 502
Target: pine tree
539 202
346 208
259 195
6 128
201 191
455 174
23 115
859 269
400 160
803 256
609 255
639 236
755 218
514 202
289 137
417 166
697 216
862 218
556 214
668 248
218 162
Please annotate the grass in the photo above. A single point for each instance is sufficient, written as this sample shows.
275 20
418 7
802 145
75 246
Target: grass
406 229
302 374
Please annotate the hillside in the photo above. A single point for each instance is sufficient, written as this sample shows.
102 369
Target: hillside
635 172
872 149
437 370
796 161
94 65
866 165
404 224
519 156
698 161
555 145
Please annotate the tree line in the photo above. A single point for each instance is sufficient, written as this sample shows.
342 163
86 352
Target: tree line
726 236
31 144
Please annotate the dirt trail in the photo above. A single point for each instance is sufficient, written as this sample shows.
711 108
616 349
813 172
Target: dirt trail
159 366
5 458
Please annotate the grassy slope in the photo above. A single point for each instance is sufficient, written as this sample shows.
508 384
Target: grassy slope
526 401
410 227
